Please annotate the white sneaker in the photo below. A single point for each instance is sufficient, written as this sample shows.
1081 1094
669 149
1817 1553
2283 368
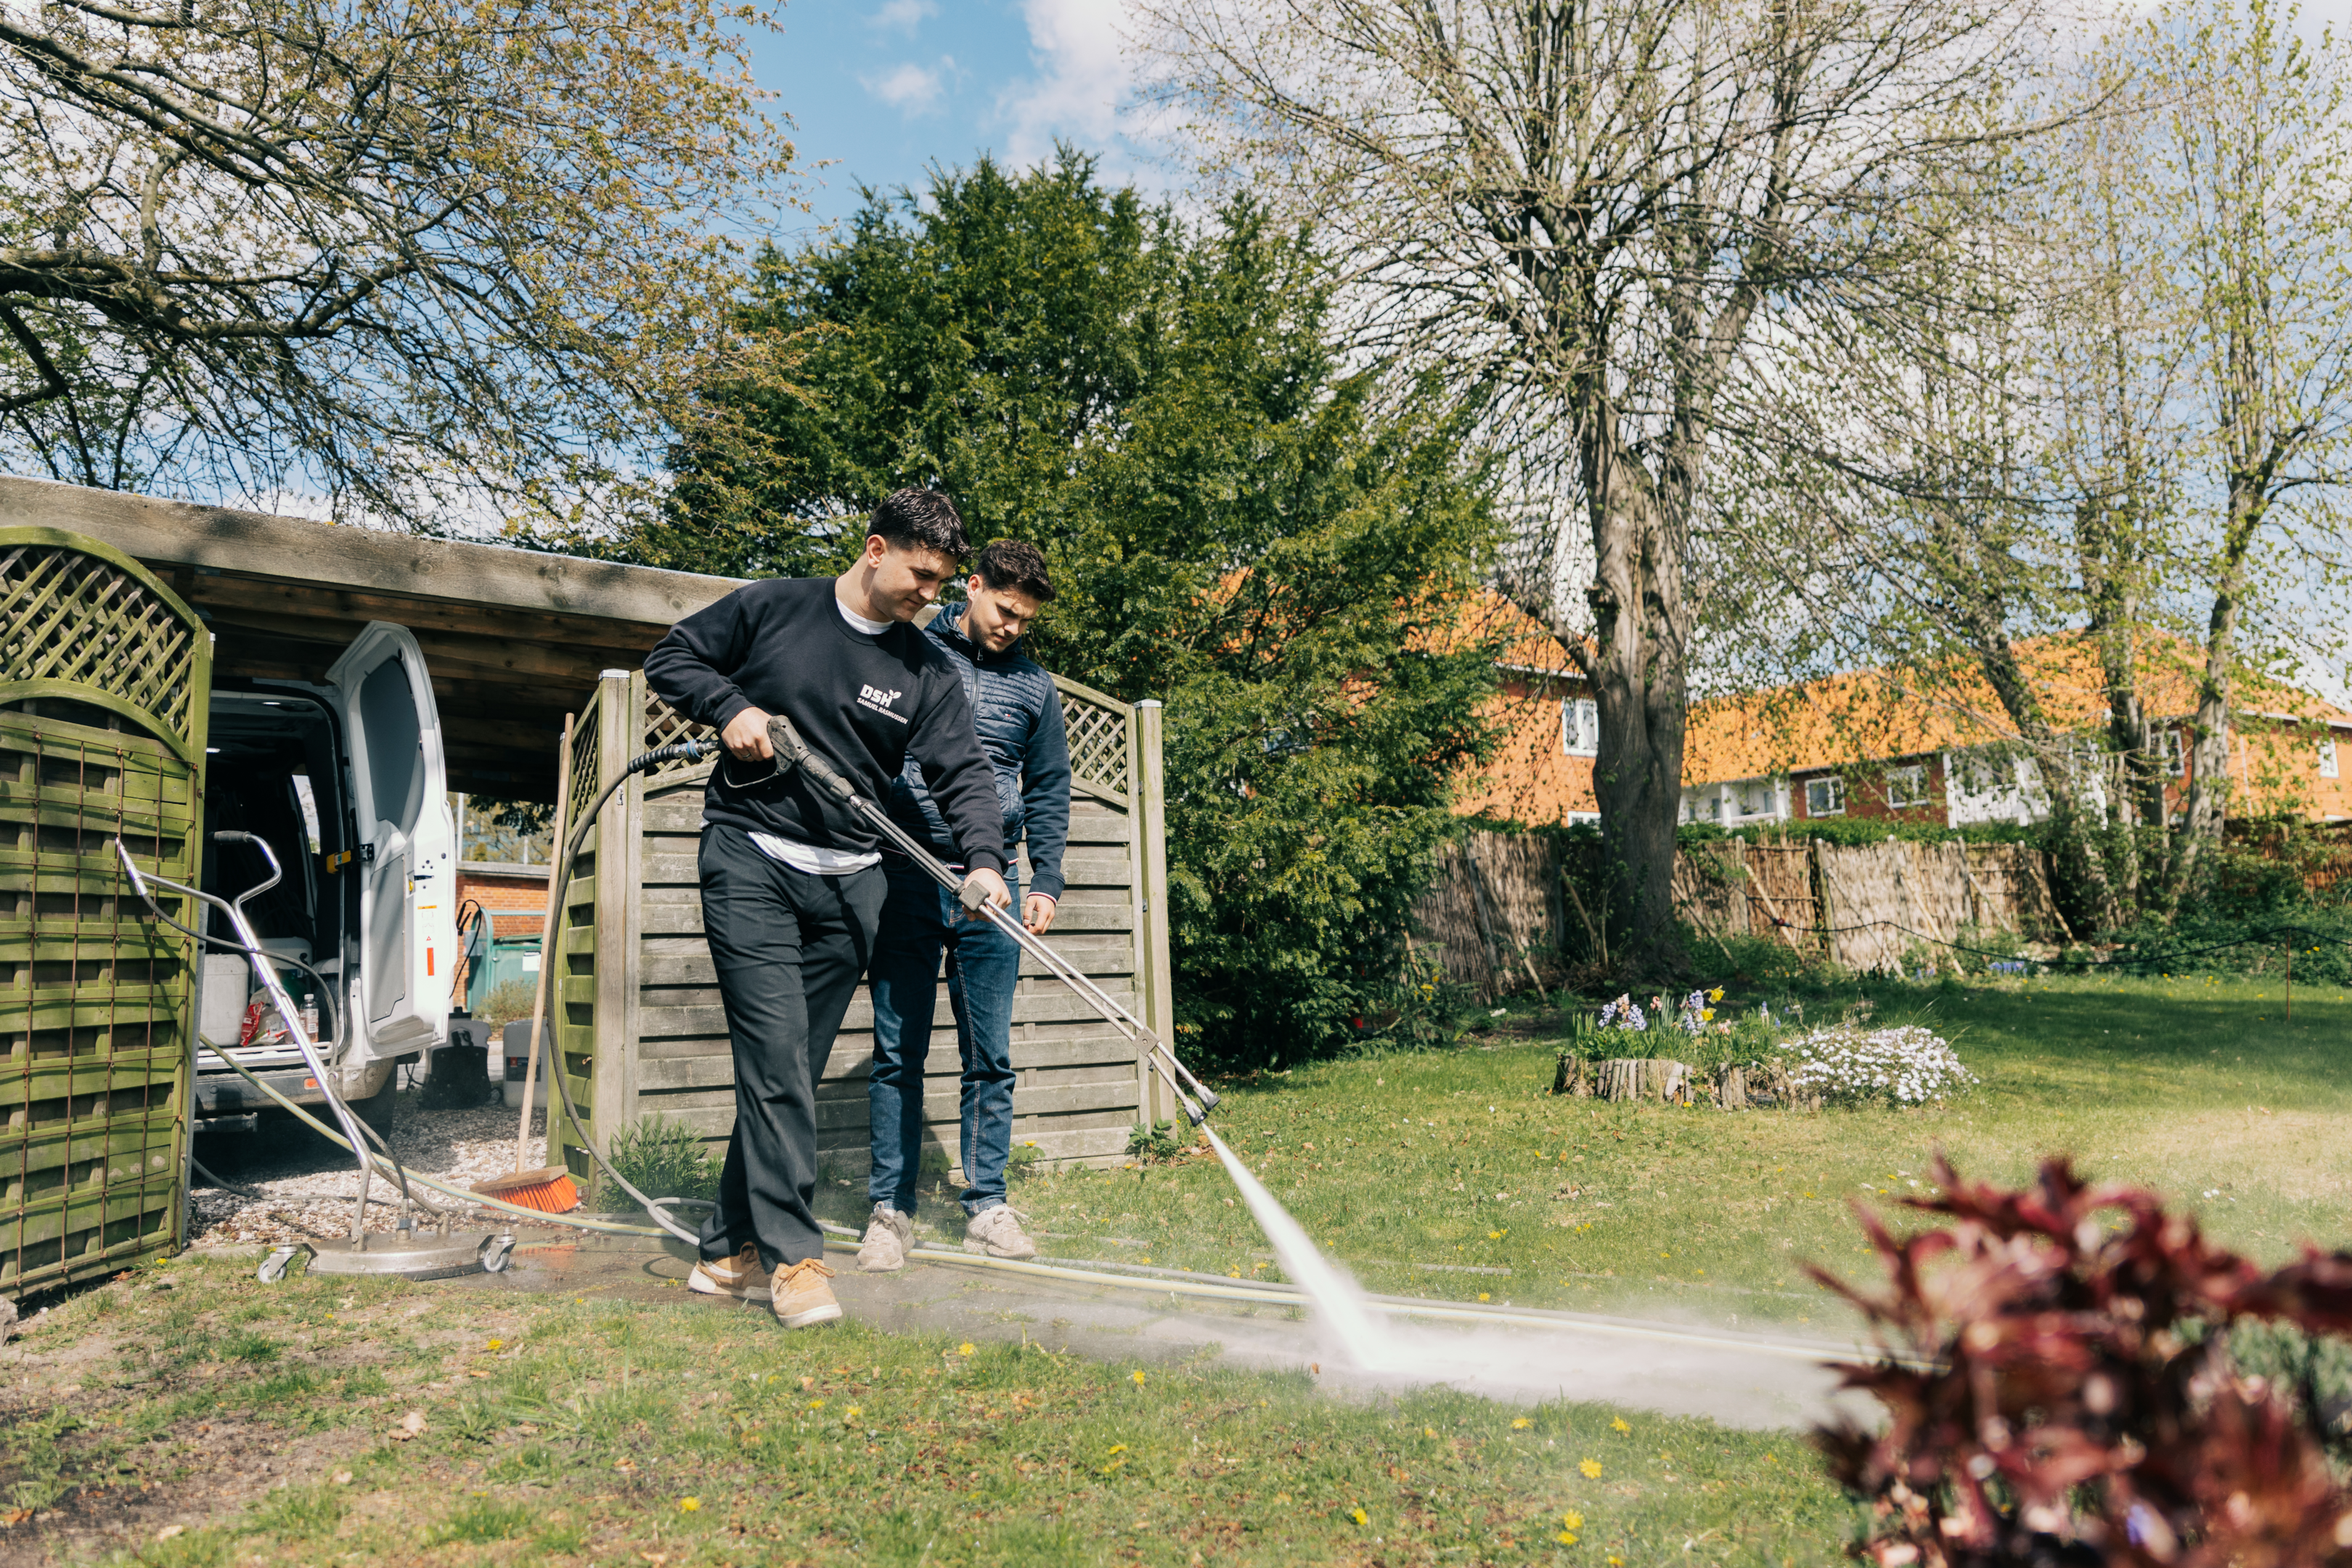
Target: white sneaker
997 1233
888 1236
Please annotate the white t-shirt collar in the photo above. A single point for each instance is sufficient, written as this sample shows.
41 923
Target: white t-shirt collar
871 628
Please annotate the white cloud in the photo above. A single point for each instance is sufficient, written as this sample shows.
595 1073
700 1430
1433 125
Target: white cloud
902 14
1082 82
911 88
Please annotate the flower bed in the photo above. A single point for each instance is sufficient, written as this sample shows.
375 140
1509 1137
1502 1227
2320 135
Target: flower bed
1908 1064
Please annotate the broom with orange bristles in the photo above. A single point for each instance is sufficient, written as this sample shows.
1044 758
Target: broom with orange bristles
549 1189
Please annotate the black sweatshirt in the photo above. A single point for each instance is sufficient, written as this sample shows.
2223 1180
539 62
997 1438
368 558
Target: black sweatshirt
861 702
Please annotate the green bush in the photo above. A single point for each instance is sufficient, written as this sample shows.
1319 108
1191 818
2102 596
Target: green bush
662 1159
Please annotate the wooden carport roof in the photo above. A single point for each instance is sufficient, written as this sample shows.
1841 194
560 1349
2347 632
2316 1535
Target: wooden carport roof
515 639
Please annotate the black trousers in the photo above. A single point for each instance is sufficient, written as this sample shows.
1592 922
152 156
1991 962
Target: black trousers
790 947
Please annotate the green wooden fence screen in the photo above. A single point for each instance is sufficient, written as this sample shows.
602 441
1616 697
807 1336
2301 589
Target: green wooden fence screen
105 680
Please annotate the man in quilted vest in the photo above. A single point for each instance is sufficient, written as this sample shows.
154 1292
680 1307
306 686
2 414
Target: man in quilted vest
1018 716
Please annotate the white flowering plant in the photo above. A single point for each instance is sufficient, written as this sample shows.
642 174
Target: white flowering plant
1906 1065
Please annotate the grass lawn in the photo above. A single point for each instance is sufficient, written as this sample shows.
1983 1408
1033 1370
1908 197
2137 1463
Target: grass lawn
1462 1161
266 1425
266 1422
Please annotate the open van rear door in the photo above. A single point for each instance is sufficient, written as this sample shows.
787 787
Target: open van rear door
408 871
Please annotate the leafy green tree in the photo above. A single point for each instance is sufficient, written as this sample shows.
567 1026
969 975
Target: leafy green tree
1235 524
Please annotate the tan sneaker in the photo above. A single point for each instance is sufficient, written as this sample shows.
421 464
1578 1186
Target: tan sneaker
741 1277
888 1236
997 1233
801 1296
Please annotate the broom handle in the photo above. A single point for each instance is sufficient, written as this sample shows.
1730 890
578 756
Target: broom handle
546 945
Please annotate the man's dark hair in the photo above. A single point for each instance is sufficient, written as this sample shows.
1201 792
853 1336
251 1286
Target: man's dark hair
1009 564
919 519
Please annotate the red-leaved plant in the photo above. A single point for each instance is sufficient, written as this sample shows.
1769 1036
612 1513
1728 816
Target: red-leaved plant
2058 1390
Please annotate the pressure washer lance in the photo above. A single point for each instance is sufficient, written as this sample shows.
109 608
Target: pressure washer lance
792 752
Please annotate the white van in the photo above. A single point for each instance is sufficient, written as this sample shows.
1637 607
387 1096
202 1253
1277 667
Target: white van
348 783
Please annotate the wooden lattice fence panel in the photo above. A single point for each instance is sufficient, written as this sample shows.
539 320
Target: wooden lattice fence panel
104 684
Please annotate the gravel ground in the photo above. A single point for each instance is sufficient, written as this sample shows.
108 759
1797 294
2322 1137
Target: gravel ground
308 1183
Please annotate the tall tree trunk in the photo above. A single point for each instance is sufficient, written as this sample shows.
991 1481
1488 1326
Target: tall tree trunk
1640 679
2209 765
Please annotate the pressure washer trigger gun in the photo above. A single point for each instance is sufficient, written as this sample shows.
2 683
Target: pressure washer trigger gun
791 752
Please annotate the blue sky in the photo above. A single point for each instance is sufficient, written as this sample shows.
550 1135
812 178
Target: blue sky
881 88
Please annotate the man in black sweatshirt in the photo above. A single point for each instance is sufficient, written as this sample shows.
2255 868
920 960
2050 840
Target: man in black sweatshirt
791 882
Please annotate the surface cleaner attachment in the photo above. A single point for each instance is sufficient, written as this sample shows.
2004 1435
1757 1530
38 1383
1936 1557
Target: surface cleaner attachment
409 1252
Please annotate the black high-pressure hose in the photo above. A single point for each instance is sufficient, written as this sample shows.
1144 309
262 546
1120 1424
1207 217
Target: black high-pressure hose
561 882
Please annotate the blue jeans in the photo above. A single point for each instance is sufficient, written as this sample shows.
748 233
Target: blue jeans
919 921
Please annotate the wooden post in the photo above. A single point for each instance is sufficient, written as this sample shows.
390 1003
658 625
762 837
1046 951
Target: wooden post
620 708
626 973
548 963
1147 772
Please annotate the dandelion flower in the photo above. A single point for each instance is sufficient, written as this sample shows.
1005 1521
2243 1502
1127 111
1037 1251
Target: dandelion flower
1114 1448
1429 1431
1520 1424
1481 1295
1618 1426
1592 1469
816 1404
1567 1538
1572 1520
1358 1516
689 1504
852 1412
964 1349
1136 1378
495 1345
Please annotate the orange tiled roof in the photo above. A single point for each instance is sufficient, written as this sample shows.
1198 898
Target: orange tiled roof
1838 721
1866 715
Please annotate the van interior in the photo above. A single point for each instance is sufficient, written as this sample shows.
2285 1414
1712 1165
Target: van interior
274 772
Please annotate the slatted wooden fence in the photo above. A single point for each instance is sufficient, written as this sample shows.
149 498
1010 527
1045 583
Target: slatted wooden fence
642 1031
1501 907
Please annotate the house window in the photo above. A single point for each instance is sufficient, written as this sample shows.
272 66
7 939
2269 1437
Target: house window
1755 800
1579 727
2171 754
1825 797
1906 787
1715 801
2327 759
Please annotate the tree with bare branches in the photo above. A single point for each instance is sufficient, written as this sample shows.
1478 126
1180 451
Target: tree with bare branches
1609 220
424 258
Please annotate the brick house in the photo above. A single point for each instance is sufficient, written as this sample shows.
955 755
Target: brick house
1863 745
